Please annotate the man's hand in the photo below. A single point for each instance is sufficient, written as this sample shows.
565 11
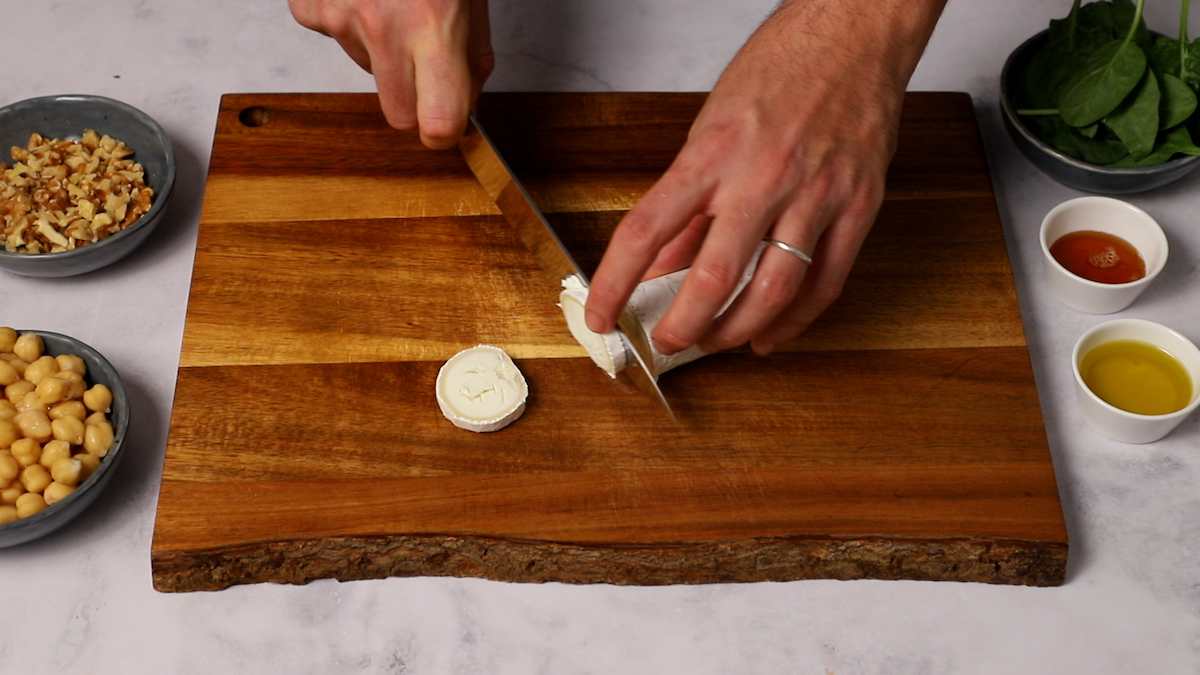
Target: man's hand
430 58
793 144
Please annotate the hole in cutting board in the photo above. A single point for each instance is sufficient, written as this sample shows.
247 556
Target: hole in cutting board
254 116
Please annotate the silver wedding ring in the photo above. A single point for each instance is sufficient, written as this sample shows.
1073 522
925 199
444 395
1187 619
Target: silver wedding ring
784 246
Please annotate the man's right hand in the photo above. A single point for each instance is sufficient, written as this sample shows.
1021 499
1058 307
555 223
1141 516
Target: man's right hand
430 58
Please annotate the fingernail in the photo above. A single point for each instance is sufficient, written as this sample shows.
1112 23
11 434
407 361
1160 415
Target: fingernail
595 322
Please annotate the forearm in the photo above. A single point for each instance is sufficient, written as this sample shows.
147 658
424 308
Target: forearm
892 33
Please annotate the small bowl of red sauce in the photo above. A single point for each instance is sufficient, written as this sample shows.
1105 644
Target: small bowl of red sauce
1101 253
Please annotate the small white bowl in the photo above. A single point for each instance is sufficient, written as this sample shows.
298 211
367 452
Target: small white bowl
1112 216
1120 424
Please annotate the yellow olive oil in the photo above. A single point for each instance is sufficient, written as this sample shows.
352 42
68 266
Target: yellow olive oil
1137 377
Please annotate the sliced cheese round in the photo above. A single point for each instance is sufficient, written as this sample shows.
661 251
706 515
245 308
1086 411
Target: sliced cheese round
649 303
481 389
607 350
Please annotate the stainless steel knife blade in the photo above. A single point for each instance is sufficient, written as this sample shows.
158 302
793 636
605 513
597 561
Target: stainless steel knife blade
514 202
519 209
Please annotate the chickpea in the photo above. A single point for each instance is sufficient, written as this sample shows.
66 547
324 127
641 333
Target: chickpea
68 429
98 438
9 468
29 347
30 401
9 494
8 338
69 409
29 504
98 398
35 478
17 390
52 390
15 361
27 451
7 410
75 383
88 465
34 424
67 471
71 363
54 451
41 369
8 514
8 374
8 433
56 492
95 418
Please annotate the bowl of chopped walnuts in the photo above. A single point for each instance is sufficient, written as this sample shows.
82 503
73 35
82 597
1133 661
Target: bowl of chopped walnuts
83 182
63 418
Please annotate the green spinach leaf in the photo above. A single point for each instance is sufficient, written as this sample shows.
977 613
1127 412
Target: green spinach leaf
1178 101
1062 31
1070 142
1109 20
1043 76
1048 68
1163 55
1174 142
1189 67
1189 54
1108 76
1126 13
1135 122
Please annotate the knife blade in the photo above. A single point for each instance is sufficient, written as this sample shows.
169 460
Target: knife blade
519 209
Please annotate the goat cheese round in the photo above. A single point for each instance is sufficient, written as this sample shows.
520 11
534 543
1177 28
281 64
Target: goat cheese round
607 350
649 303
480 389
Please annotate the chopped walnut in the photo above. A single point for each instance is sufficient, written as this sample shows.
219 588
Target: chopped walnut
62 194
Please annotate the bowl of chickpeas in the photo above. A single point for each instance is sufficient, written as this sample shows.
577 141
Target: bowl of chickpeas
63 419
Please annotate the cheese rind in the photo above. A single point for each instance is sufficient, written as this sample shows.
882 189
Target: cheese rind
480 389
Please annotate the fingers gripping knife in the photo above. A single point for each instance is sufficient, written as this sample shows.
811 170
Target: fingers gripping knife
498 180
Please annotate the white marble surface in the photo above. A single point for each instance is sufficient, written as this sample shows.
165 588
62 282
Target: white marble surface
82 602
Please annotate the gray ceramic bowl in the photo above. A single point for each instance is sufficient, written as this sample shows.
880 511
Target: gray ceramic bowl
1068 170
99 371
68 116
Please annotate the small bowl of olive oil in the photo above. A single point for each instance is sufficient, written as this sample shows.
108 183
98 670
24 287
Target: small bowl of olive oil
1137 380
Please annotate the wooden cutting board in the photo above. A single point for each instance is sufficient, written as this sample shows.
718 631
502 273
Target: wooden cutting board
340 263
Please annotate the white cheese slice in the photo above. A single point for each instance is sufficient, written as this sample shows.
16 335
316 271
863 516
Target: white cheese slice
480 389
649 303
609 351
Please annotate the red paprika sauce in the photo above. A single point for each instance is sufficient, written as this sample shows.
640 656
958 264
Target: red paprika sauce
1099 257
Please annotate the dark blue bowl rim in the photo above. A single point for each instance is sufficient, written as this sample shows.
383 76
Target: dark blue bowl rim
110 460
1010 113
160 199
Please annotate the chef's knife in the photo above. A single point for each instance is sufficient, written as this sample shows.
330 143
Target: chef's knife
518 208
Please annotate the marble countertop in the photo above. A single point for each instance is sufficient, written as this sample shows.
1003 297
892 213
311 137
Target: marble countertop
81 601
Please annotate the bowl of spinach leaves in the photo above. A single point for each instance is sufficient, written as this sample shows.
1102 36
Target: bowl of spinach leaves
1100 103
